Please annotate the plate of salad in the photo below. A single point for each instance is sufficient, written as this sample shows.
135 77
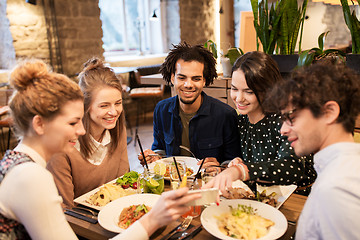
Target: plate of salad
117 188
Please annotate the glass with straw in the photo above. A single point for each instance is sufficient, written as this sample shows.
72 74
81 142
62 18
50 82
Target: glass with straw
177 173
148 181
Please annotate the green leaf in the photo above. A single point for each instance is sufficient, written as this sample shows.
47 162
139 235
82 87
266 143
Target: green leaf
321 39
233 54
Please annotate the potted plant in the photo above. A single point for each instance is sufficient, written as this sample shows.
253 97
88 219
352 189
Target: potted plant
278 29
228 59
353 23
307 57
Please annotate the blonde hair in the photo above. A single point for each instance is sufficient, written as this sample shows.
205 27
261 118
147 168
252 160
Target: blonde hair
95 75
38 91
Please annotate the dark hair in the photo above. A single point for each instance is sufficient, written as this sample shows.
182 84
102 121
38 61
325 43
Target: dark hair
38 91
261 72
189 53
311 87
95 76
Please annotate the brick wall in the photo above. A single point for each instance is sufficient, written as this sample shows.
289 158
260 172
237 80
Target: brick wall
197 20
339 33
79 31
28 31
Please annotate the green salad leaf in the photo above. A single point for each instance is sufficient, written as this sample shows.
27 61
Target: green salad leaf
128 178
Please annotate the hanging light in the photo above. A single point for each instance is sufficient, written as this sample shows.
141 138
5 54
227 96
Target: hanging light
154 14
154 17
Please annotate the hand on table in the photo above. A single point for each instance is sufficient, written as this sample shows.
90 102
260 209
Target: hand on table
149 159
169 207
224 180
209 161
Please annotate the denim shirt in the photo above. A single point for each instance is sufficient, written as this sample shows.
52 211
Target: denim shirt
213 131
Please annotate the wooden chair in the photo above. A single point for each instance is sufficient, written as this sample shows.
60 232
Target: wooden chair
142 94
6 121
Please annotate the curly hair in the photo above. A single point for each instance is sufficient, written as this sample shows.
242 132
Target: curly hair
311 87
95 76
260 70
189 53
38 91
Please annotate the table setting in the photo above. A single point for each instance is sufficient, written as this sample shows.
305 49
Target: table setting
201 222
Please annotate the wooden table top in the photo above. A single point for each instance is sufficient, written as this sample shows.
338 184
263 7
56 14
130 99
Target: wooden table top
291 209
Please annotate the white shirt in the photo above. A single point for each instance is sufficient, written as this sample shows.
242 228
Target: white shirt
28 194
135 232
101 148
333 206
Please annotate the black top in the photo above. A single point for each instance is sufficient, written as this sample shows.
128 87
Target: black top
269 156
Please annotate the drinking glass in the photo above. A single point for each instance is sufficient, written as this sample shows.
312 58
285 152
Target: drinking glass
149 182
174 176
194 211
209 173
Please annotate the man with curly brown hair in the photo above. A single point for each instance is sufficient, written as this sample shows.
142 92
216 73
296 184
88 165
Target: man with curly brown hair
207 126
319 106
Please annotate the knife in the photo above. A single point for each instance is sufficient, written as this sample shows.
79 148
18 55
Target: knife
82 216
190 232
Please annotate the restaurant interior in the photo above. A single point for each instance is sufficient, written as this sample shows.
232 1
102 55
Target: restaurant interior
133 37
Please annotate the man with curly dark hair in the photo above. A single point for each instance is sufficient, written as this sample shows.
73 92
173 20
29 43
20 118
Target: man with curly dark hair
205 125
319 106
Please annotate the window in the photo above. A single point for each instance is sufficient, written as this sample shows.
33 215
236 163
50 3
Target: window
127 28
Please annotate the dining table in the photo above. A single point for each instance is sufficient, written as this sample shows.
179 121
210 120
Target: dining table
291 209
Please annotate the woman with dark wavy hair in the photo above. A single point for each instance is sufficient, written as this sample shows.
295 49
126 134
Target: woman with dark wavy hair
267 157
101 154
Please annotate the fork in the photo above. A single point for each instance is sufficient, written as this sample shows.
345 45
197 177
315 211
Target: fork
188 150
182 227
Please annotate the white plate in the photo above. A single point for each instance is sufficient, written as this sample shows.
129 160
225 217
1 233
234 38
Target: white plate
189 161
109 216
209 222
83 198
283 192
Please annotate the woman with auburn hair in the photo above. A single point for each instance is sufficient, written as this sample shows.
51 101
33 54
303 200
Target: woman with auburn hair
267 157
47 109
101 154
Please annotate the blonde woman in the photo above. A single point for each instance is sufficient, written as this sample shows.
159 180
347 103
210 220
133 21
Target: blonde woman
101 154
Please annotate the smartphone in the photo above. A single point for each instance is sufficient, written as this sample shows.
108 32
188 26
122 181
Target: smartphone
208 196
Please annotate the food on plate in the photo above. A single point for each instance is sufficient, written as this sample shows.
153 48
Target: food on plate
131 214
242 222
128 180
189 171
241 193
109 192
268 199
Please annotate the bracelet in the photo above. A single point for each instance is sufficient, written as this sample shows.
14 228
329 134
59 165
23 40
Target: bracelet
241 169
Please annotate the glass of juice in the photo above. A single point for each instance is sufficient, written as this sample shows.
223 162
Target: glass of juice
150 182
174 173
194 211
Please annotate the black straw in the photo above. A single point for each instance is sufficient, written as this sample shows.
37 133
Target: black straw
198 172
177 169
142 152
